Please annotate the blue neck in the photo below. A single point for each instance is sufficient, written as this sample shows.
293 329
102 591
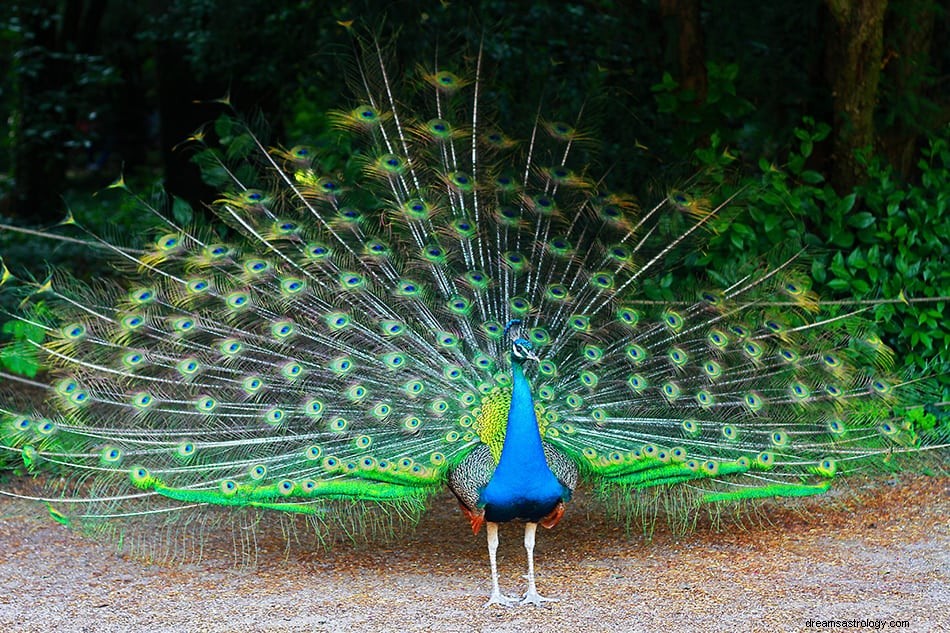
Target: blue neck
522 447
522 485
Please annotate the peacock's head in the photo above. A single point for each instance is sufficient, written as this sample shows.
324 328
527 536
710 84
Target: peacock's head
521 348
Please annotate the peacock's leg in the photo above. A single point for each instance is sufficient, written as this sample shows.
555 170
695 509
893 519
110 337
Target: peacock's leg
497 597
532 596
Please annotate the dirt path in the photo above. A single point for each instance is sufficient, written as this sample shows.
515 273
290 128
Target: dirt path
878 553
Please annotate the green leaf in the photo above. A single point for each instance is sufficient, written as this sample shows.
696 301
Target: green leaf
20 358
861 220
847 203
860 287
857 260
839 284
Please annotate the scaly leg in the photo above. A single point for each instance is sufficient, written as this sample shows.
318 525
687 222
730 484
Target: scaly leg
532 596
497 597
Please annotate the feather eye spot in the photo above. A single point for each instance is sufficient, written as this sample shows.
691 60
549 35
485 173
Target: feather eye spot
827 468
413 388
692 428
519 305
274 416
753 401
718 339
779 438
142 400
836 427
880 387
142 295
547 368
589 379
313 452
636 353
637 383
318 251
252 384
705 398
313 408
22 423
799 391
671 391
238 300
673 320
188 367
579 323
206 404
445 80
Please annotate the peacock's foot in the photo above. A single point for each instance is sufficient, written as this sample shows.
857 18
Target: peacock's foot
497 597
533 597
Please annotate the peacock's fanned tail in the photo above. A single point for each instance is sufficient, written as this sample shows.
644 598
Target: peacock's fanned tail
341 339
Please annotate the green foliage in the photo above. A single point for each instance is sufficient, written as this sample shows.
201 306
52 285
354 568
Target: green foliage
885 243
20 355
52 91
901 248
695 119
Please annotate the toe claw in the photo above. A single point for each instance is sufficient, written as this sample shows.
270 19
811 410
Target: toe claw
536 599
499 598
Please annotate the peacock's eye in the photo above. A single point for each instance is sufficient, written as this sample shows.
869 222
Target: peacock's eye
522 349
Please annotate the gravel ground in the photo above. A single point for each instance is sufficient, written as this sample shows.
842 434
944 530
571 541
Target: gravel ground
878 552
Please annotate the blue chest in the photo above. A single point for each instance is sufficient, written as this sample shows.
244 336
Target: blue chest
522 485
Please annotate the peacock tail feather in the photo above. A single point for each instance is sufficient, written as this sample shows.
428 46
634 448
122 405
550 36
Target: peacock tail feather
334 345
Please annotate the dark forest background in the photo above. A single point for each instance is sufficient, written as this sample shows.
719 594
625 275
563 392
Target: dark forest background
831 117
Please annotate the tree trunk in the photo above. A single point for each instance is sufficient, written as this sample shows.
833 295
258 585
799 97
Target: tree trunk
855 52
910 29
685 44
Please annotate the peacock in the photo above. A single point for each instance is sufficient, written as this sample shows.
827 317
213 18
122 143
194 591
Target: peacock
451 307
